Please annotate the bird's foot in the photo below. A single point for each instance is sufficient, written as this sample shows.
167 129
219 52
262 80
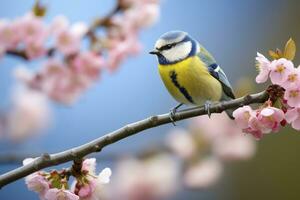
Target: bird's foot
173 112
207 108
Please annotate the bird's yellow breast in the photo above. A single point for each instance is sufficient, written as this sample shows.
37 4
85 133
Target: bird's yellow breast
189 81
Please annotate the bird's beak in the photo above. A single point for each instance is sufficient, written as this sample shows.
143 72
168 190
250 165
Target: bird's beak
154 52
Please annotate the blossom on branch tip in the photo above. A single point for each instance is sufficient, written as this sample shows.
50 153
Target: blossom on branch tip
242 116
270 118
292 95
89 186
293 116
263 65
36 182
260 121
280 69
293 79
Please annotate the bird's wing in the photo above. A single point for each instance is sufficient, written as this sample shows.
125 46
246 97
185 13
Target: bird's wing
216 71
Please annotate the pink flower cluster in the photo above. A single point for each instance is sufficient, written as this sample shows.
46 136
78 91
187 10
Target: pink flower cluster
53 186
30 114
28 31
207 146
259 122
151 178
89 186
122 35
70 71
64 82
269 119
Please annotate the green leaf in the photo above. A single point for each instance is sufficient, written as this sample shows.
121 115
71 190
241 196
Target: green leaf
290 49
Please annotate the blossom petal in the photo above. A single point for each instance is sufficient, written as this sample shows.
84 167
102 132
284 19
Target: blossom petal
104 176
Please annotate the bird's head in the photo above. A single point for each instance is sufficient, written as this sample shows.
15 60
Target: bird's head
174 46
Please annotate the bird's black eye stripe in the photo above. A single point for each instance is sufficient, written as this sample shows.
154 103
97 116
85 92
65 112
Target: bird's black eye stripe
166 47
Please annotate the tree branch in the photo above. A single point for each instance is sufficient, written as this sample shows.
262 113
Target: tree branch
48 160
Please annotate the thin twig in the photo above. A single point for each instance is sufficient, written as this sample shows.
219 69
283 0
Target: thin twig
48 160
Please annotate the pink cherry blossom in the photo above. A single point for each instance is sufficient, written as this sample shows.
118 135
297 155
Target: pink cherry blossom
293 116
60 194
206 128
292 95
203 174
181 143
234 147
226 140
32 29
159 178
254 127
127 47
30 114
242 116
293 79
89 165
79 29
280 69
142 15
67 42
100 186
87 189
263 65
9 34
87 66
104 176
60 23
37 183
58 82
91 187
35 49
270 118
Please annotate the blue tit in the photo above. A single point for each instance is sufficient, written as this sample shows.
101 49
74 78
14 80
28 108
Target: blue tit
189 72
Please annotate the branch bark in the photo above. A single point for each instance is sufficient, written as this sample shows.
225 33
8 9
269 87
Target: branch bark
48 160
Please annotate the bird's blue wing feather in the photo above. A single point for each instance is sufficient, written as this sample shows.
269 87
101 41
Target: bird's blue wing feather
216 71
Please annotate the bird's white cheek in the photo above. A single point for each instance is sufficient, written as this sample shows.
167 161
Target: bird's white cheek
179 52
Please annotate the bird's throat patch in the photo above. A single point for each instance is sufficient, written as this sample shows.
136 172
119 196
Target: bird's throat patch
183 90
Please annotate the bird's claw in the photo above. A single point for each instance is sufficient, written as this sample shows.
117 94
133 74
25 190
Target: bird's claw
172 115
207 108
173 112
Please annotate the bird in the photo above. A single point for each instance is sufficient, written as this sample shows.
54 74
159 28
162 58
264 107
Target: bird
190 73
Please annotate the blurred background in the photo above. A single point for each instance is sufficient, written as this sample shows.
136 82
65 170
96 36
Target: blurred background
233 31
